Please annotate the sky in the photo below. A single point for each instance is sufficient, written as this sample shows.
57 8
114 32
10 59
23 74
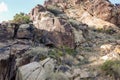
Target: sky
8 8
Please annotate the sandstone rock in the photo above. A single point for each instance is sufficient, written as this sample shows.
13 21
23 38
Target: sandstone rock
111 56
76 72
85 74
35 11
56 31
25 31
78 78
117 49
102 9
36 71
106 48
26 72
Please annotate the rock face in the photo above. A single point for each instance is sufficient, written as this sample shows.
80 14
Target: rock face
35 11
38 71
56 30
7 68
25 31
102 9
118 13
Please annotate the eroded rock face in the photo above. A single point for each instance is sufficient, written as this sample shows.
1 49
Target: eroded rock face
36 71
25 31
35 11
55 31
7 68
102 9
59 33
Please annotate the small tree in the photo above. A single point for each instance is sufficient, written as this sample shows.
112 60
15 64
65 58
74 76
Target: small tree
21 18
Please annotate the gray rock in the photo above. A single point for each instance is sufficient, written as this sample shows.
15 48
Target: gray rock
29 72
78 78
84 74
35 70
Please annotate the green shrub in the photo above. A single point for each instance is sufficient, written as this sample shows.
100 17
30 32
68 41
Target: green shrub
55 53
74 22
39 52
111 67
68 50
54 9
107 31
21 18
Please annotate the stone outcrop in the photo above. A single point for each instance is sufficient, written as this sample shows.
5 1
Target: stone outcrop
56 29
39 71
102 9
35 71
35 11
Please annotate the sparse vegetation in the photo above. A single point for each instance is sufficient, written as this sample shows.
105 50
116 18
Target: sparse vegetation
38 52
21 18
54 9
111 67
74 22
57 76
55 53
107 31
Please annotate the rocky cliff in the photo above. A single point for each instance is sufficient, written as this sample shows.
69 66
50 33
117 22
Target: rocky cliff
67 40
102 9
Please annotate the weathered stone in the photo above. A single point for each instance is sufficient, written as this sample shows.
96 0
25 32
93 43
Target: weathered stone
25 31
36 71
117 49
85 74
7 67
102 9
55 31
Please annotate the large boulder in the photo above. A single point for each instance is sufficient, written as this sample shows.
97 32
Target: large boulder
25 31
44 70
33 14
55 31
30 72
38 71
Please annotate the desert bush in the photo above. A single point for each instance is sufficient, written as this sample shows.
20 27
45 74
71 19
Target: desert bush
55 53
107 31
74 22
21 18
38 53
111 67
68 50
54 9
